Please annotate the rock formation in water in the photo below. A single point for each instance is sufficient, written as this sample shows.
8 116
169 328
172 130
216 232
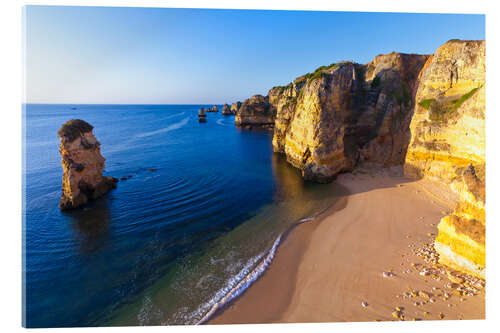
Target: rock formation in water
235 107
202 116
256 112
226 110
82 164
328 120
448 144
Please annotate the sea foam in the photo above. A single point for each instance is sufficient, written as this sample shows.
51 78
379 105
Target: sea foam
240 282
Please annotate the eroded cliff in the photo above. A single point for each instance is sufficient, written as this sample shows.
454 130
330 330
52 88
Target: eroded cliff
448 145
256 112
82 164
328 120
426 112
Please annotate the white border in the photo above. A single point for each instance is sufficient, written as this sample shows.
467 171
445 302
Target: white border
11 90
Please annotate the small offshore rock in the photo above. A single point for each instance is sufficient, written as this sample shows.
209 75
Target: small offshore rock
226 110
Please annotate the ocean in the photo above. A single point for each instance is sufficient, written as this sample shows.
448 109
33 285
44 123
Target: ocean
198 221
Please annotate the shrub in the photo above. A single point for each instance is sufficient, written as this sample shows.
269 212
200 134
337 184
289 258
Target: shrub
318 72
441 112
426 103
457 103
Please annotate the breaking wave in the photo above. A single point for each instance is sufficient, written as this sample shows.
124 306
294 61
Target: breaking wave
241 281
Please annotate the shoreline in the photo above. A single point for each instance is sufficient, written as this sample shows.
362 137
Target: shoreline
282 272
325 269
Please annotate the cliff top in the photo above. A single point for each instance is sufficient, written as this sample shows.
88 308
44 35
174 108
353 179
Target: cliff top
73 128
379 58
309 77
477 41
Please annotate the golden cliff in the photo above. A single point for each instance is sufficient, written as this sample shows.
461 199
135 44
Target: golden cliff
448 145
426 112
82 165
255 112
329 120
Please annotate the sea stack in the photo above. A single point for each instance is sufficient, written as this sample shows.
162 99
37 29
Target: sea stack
256 112
226 110
235 107
82 164
202 117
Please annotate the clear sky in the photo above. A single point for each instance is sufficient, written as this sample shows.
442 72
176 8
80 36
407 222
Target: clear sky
198 56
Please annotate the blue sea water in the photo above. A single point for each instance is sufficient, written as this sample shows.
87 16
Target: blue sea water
202 212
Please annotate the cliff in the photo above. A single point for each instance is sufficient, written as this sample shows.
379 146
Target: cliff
256 112
448 145
426 112
329 120
82 164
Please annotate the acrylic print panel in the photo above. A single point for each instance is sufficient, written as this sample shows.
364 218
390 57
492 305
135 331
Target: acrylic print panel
208 166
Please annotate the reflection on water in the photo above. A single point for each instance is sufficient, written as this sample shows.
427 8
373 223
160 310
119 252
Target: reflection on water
289 182
91 225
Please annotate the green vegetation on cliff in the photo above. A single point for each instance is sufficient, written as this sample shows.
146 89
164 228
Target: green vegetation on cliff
442 110
318 72
457 103
426 103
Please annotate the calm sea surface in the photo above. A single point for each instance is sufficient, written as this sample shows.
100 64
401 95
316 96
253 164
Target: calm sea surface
204 206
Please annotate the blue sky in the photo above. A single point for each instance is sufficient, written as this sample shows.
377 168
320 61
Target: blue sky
198 56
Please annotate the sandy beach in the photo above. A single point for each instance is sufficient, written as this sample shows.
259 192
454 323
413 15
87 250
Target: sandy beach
332 269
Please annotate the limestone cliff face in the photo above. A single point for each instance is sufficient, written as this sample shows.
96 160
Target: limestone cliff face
448 144
328 120
311 127
393 80
256 112
82 164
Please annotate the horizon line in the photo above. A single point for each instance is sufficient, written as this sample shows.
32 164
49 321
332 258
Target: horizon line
46 103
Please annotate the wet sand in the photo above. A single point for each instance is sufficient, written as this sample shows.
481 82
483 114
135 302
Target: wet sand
325 269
